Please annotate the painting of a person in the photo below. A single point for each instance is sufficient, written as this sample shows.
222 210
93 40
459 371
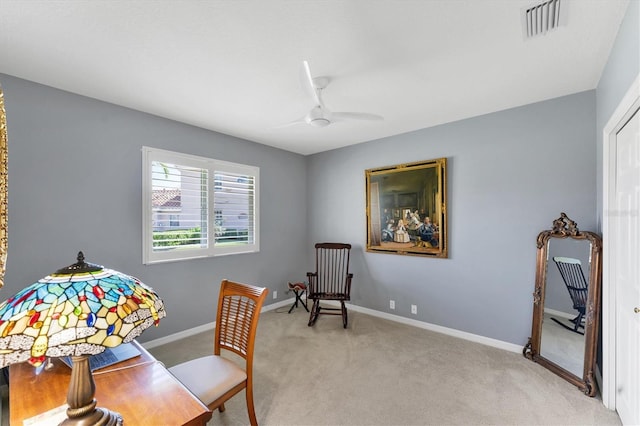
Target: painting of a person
387 233
386 216
414 220
401 235
427 232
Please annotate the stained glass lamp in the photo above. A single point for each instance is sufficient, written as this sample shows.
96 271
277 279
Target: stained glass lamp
78 311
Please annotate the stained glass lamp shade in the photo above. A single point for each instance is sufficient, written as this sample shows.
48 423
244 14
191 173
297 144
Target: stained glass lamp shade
78 311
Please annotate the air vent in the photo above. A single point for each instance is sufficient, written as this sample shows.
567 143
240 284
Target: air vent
541 18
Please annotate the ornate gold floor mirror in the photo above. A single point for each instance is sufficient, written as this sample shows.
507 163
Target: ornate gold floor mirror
3 188
566 303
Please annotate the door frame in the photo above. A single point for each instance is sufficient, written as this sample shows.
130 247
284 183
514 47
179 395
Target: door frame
623 112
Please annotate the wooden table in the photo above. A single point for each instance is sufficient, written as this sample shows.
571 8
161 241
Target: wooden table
141 389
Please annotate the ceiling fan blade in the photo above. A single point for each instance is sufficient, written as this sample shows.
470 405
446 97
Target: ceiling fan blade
308 84
302 120
356 116
321 116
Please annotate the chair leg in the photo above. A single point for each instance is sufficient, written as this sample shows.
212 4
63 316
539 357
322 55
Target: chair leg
303 303
345 319
250 408
295 305
574 329
298 299
577 321
221 408
315 311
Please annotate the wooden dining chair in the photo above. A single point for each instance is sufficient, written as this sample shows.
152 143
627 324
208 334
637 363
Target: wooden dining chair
214 379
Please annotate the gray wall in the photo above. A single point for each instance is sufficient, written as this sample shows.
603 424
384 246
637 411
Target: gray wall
510 174
622 67
75 183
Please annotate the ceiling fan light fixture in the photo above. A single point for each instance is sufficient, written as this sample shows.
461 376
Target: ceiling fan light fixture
319 122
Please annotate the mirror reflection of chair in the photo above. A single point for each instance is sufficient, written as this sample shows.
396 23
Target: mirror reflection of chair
574 279
214 379
543 347
331 281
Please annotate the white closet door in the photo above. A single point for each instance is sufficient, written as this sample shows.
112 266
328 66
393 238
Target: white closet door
625 241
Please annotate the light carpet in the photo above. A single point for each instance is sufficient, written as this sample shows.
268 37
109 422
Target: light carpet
380 372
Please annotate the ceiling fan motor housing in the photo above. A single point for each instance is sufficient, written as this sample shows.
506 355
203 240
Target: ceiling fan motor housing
318 117
320 122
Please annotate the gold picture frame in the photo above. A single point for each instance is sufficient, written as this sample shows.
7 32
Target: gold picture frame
3 188
407 209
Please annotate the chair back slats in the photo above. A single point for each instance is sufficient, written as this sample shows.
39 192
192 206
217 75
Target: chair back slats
239 308
210 378
330 281
573 276
332 269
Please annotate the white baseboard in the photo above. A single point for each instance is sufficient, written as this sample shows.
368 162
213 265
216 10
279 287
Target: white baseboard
202 328
180 335
420 324
560 314
440 329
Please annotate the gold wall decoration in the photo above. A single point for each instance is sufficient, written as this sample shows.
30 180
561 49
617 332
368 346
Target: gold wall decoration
3 188
407 209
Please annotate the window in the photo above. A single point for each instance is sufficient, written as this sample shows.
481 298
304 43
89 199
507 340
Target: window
197 207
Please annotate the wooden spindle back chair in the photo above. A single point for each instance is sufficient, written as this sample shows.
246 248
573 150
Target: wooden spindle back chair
331 281
576 283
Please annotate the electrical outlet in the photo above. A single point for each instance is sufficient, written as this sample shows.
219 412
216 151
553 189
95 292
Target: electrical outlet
392 304
275 294
414 309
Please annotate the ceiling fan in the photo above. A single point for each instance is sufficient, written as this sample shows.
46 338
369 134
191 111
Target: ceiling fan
320 115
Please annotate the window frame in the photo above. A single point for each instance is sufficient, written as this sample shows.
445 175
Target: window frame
213 166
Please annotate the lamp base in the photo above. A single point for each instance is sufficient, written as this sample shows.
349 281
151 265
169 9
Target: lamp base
98 417
82 410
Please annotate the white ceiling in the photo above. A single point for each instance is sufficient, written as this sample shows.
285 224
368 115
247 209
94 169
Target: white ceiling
234 66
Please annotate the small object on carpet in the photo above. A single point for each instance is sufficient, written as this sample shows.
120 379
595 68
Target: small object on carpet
298 289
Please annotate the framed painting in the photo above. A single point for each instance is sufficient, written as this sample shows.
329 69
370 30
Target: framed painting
407 209
3 188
